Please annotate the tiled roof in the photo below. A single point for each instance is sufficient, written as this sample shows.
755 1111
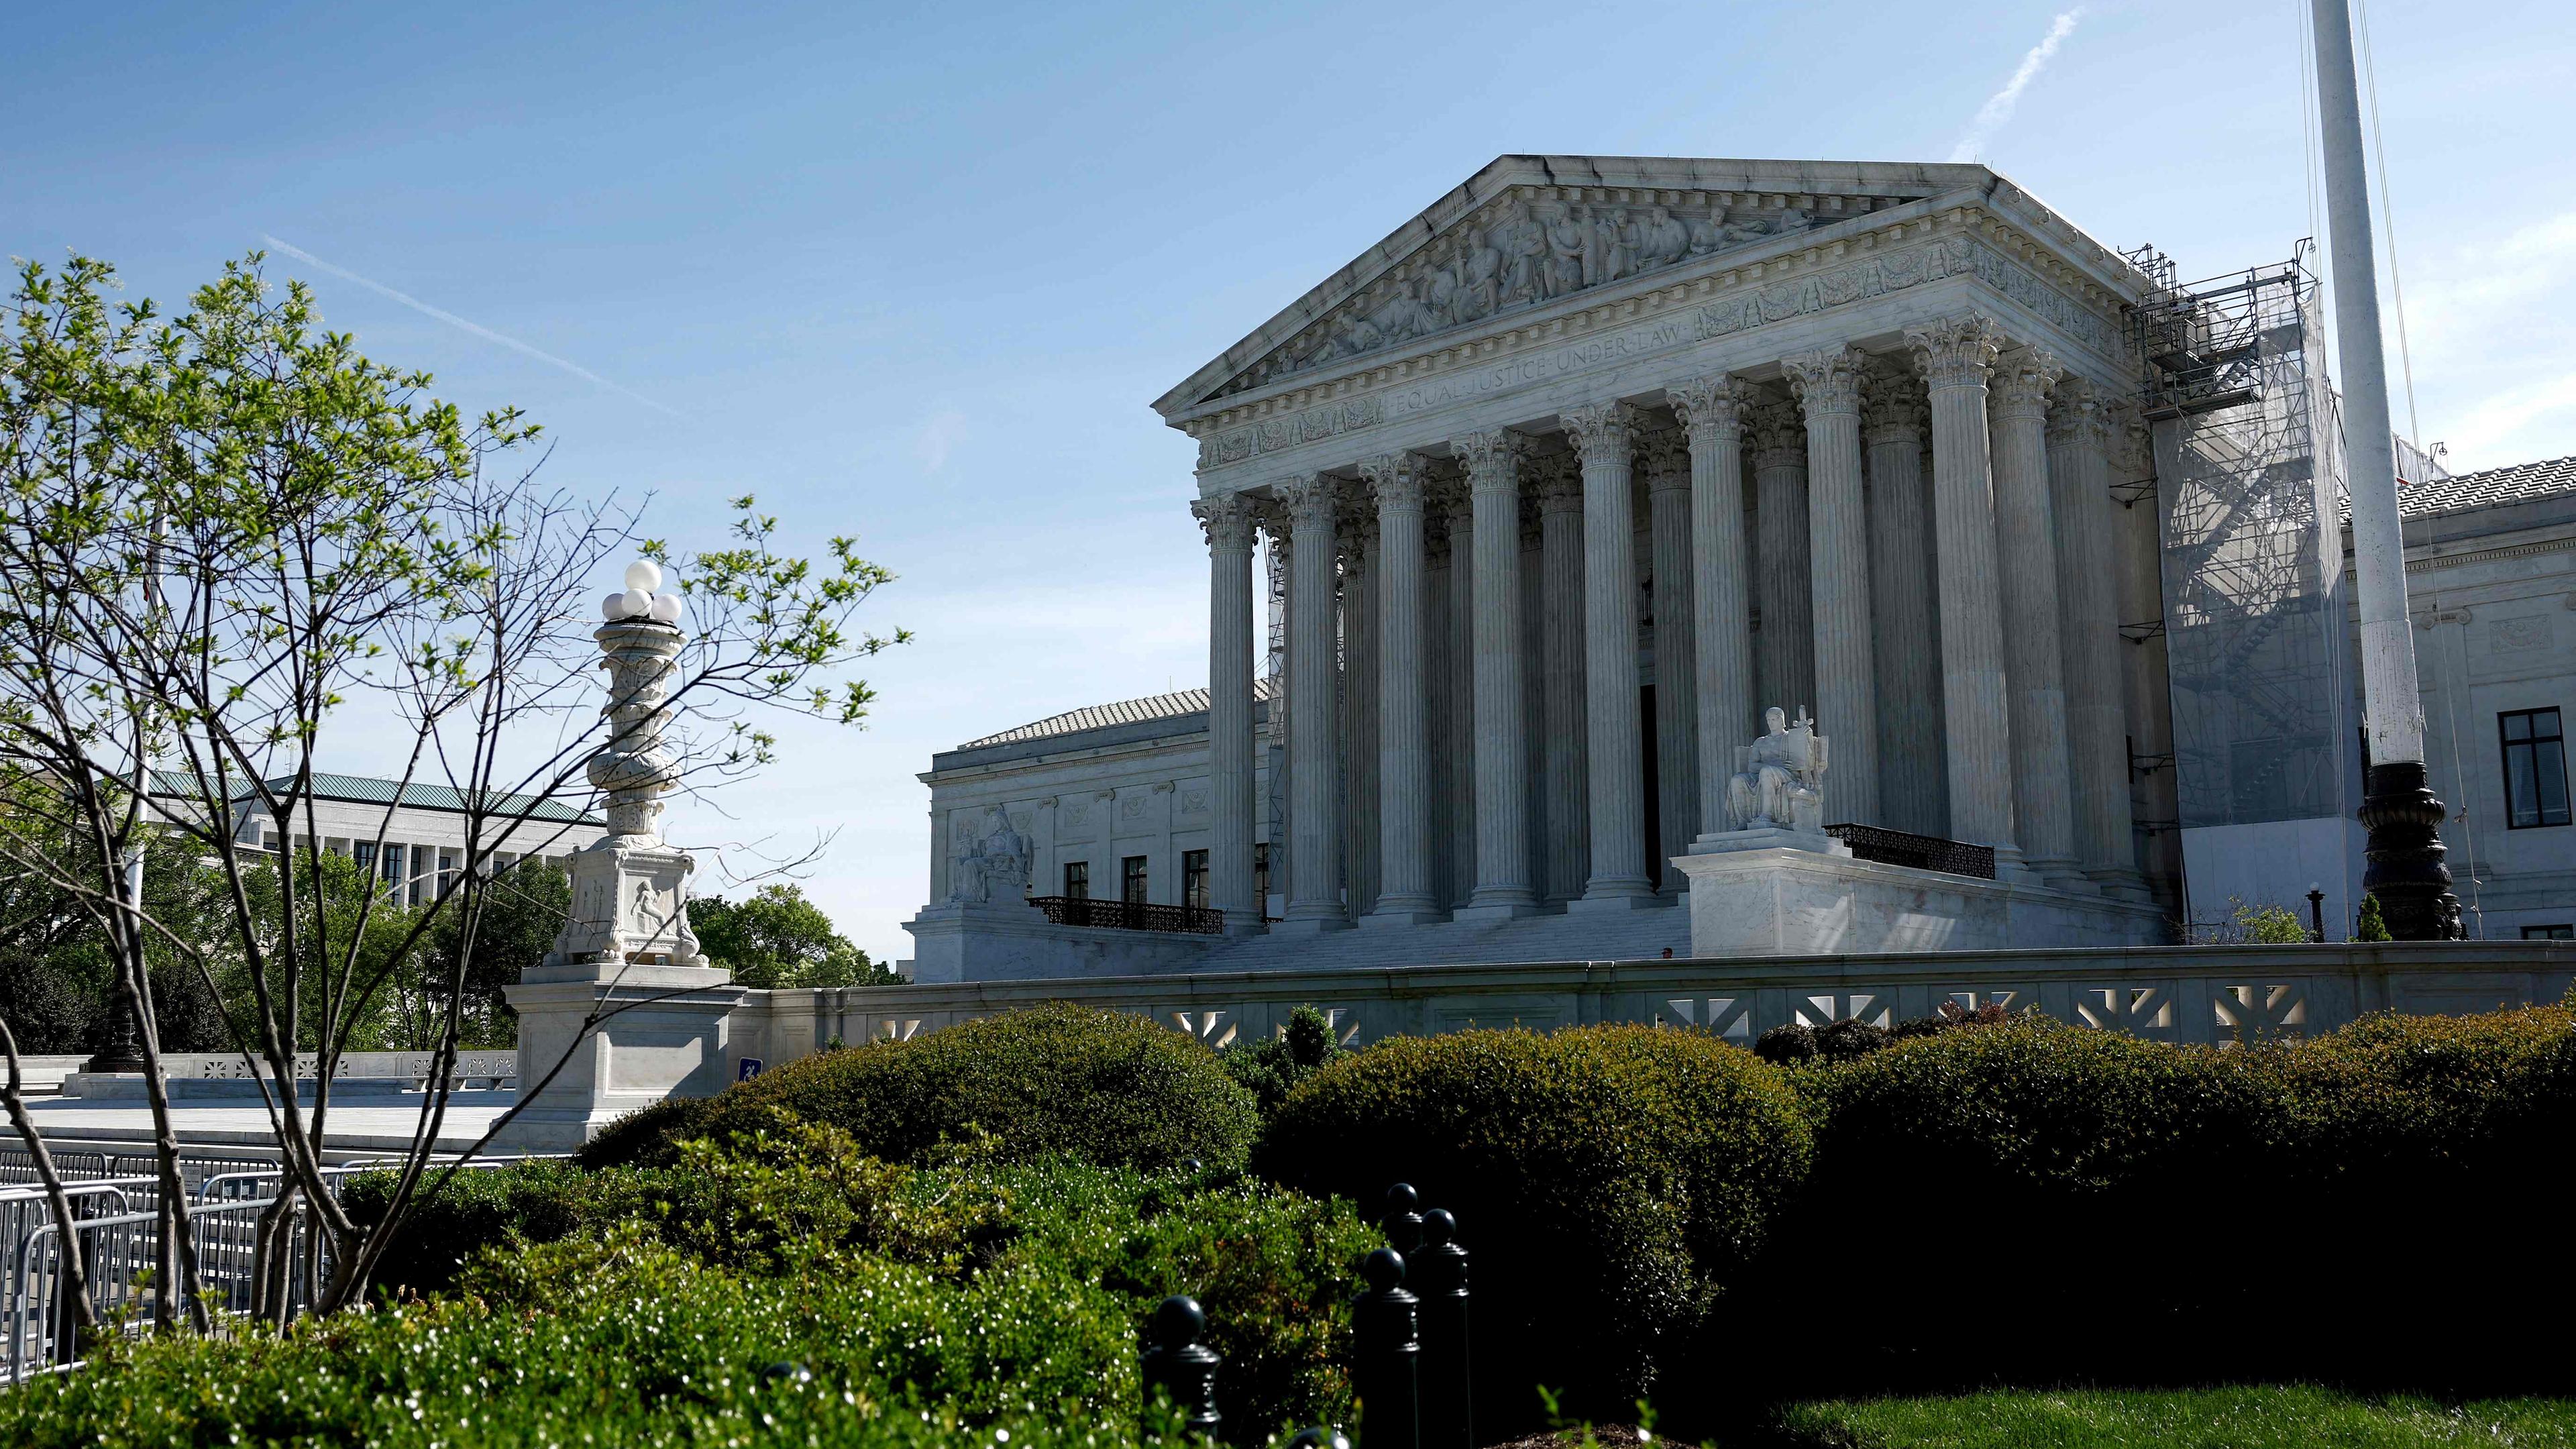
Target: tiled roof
2494 486
360 790
1125 711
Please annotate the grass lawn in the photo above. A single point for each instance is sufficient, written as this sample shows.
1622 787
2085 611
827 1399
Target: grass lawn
2228 1418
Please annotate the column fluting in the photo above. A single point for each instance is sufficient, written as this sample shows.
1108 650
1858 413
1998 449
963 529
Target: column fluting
1784 651
1359 549
1566 761
1227 521
1827 386
2079 488
1955 356
1404 722
1314 821
1666 456
1456 752
1603 435
1712 414
2034 667
1912 790
1502 888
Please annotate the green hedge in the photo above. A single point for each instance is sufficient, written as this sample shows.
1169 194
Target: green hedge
1607 1180
1275 1270
1052 1080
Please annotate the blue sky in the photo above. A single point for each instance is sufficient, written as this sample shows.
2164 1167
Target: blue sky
915 273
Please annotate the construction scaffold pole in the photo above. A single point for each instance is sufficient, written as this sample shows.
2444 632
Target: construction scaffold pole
2406 870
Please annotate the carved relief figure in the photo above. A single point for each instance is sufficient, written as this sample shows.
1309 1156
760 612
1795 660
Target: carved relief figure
993 866
1566 239
1780 778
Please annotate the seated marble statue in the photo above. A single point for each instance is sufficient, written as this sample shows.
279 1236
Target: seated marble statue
993 866
1779 782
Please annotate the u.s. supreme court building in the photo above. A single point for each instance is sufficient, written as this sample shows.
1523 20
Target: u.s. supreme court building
1568 481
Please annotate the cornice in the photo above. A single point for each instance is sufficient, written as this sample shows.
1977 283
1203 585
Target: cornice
2022 267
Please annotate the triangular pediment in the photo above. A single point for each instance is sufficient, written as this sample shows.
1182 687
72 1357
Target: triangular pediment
1528 232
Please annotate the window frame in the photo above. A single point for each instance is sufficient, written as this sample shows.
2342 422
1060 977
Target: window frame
1135 880
1077 880
2549 933
1194 879
2531 745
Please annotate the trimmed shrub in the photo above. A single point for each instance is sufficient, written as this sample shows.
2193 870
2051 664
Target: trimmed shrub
1273 1067
1052 1080
645 1132
1607 1181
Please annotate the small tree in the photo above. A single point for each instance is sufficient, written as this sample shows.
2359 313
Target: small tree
224 534
2373 926
776 938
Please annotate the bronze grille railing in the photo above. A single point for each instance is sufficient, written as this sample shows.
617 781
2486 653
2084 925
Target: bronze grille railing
1922 852
1130 915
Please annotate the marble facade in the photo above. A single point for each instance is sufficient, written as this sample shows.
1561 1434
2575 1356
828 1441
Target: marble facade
1827 437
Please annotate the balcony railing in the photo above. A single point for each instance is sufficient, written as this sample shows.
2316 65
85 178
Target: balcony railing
1130 915
1922 852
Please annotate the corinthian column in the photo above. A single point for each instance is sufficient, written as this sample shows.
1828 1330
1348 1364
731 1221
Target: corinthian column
2034 668
1911 793
1404 722
1784 653
1566 763
1502 888
1668 509
1602 436
1314 803
2079 491
1955 356
1454 748
1227 519
1827 386
1359 703
1712 414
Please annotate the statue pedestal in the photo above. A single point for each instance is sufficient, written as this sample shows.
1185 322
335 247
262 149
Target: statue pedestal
668 1036
1768 900
1769 837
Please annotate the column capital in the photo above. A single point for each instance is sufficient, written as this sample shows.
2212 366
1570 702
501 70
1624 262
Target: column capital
1778 433
1713 407
1557 482
1270 515
1226 519
1492 460
2075 411
2127 442
1891 406
1601 432
1311 499
1955 351
1663 454
2022 379
1395 479
1826 381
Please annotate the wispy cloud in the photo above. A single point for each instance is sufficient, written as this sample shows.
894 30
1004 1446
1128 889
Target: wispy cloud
461 324
1999 106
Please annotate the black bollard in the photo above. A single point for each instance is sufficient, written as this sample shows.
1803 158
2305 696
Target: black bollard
1439 1278
1181 1366
1403 1218
1385 1376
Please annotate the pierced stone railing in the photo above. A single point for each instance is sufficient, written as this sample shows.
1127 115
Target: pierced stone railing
1129 915
2208 995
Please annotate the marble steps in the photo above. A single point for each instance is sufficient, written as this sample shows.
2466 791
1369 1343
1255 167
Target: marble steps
1638 935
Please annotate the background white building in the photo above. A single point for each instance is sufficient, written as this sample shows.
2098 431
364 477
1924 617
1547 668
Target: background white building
412 837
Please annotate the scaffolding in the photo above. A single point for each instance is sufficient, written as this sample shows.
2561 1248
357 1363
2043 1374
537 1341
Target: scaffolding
2249 487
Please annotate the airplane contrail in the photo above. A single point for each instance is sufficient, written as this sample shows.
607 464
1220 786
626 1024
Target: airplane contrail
1999 106
478 329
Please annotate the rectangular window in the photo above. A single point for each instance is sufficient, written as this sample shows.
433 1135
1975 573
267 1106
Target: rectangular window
1261 876
2535 768
1194 879
2549 933
1077 880
1131 880
364 853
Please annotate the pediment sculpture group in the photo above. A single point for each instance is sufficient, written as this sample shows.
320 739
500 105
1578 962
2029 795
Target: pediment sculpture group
1538 251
